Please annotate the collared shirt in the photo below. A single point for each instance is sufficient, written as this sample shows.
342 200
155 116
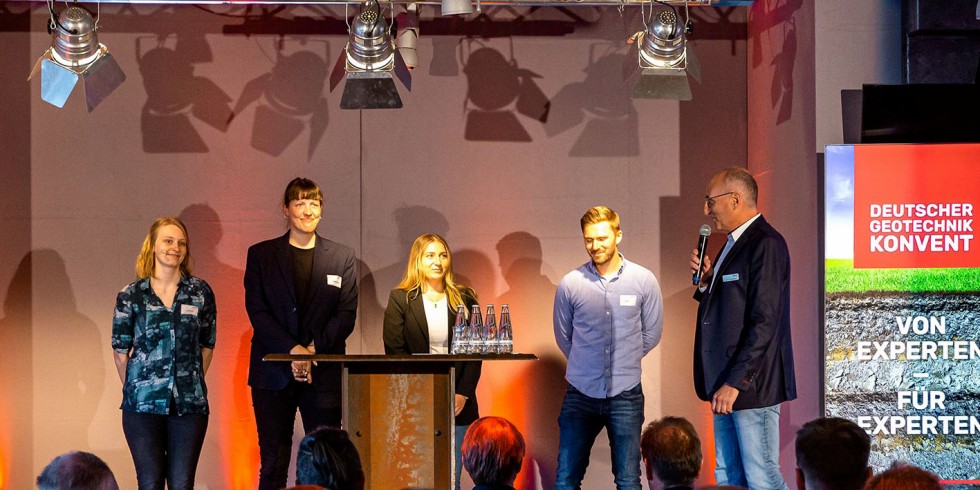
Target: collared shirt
166 346
730 242
604 326
737 232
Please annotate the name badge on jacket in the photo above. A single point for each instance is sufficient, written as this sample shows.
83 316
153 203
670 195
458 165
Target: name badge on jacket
729 277
334 281
627 300
188 310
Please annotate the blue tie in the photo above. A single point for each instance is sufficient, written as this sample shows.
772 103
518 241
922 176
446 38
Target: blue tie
721 258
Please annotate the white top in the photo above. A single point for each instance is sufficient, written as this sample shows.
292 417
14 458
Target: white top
437 316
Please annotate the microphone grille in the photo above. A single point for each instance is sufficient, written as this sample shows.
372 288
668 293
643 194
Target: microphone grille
705 230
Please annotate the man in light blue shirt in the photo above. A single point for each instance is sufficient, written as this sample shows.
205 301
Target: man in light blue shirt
608 315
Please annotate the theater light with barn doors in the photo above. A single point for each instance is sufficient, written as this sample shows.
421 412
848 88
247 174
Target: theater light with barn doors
76 55
663 58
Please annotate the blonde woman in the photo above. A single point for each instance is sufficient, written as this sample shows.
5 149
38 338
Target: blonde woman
419 319
163 334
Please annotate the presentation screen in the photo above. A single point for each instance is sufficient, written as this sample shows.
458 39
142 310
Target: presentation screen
902 302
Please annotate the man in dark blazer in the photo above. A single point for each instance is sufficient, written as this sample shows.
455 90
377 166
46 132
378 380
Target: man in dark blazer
301 298
743 354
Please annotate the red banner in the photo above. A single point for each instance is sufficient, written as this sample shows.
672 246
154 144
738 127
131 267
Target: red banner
914 206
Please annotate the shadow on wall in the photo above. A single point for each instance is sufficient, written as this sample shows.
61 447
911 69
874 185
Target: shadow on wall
16 383
69 372
230 454
289 98
602 102
777 21
499 90
411 221
530 394
474 269
175 96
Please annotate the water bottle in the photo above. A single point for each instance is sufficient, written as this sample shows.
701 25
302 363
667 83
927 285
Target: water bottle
474 333
490 332
459 331
505 338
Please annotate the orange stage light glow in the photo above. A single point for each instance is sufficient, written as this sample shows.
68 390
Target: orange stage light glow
231 400
5 450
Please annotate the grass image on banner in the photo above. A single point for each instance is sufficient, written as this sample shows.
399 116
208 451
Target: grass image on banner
841 276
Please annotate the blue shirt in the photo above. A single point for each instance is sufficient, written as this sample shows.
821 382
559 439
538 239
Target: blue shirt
166 346
604 327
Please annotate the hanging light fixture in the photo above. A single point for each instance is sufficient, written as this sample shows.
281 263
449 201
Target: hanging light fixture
75 54
455 7
369 60
663 57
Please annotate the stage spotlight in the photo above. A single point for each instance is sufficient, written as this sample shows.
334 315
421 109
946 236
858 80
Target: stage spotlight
664 58
369 60
456 7
663 42
75 53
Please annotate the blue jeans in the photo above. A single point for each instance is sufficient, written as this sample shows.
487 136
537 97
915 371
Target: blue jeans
582 418
165 448
747 449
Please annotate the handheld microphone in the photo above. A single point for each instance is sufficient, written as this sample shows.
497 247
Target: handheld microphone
705 231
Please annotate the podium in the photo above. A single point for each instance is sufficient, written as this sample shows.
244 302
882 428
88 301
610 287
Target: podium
398 410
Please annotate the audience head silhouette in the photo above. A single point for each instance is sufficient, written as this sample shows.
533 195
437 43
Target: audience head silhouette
832 454
328 458
671 452
493 451
77 470
904 477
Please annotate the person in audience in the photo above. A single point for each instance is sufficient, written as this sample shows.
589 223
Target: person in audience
419 319
77 470
832 454
493 452
902 476
671 453
327 458
163 335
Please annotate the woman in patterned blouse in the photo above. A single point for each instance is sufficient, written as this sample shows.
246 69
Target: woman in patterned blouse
163 333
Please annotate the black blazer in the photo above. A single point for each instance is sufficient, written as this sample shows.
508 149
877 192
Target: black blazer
406 331
743 331
270 300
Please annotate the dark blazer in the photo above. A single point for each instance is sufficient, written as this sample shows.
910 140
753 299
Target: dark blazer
743 331
406 331
270 300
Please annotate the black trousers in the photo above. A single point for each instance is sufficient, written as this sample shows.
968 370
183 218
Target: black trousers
275 414
165 448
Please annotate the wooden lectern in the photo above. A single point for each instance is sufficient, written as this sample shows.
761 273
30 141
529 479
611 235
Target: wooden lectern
398 410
